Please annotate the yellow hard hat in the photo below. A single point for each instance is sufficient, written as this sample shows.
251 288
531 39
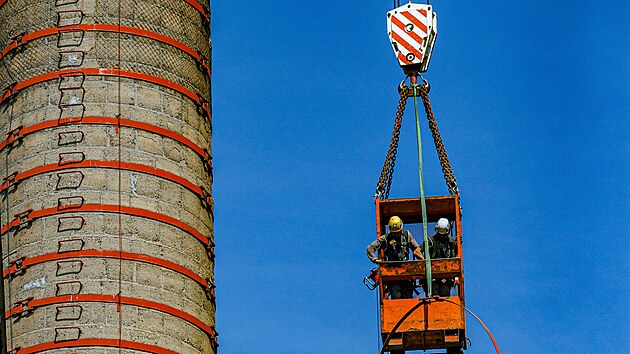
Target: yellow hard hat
395 224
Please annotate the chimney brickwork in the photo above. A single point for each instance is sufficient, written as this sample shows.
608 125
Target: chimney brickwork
106 205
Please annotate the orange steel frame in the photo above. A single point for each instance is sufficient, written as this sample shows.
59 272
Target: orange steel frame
94 342
436 324
21 264
15 135
16 87
28 216
28 305
203 10
18 177
24 38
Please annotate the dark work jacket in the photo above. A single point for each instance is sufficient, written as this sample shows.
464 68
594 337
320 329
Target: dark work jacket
441 247
394 250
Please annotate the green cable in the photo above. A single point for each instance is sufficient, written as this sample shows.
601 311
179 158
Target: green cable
427 252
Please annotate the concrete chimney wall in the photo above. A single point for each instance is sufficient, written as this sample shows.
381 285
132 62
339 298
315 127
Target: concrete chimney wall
113 183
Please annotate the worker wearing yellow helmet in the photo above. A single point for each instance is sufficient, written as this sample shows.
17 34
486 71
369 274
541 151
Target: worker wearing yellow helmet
396 245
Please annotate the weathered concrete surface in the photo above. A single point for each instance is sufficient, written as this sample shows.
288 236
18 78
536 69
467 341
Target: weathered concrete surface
102 96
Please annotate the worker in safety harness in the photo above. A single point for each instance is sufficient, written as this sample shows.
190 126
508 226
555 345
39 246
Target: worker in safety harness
396 243
441 245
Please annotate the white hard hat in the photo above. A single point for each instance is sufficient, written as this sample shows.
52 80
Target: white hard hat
443 226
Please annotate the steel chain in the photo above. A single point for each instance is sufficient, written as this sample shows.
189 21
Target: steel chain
387 174
385 181
447 170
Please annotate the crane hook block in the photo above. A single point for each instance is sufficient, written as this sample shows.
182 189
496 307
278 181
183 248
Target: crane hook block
412 31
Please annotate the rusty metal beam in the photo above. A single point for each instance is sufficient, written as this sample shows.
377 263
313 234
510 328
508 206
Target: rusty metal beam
410 209
440 268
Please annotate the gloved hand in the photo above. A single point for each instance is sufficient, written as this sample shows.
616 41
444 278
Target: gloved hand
377 261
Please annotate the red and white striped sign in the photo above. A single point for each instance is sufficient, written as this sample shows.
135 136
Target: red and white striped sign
410 30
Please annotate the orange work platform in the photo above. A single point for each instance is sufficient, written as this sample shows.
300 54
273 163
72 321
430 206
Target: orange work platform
422 323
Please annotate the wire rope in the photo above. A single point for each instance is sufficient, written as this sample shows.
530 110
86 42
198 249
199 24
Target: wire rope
378 323
120 227
6 342
7 213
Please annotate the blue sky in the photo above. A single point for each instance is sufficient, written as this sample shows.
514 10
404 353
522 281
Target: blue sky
532 101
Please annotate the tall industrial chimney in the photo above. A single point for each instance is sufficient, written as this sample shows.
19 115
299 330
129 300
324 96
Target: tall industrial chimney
106 205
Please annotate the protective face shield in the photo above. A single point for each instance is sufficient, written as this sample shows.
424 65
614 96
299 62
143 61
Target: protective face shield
443 227
395 224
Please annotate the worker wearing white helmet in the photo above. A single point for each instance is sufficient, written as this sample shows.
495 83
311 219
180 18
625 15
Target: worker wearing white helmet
396 245
442 245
